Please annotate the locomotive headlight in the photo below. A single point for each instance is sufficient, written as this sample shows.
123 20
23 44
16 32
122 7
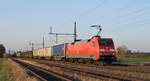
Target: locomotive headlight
113 54
102 50
112 50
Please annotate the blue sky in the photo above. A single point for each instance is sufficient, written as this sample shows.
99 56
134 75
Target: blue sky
24 21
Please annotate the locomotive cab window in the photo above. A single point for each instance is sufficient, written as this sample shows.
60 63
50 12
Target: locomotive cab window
106 42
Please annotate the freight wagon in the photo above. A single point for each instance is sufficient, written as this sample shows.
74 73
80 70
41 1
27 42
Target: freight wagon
43 53
27 54
59 51
18 53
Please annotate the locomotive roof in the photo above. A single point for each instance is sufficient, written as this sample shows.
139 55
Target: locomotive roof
87 40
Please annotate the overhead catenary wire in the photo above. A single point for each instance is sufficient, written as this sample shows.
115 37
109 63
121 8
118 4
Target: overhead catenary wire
132 27
104 2
128 14
118 10
127 21
83 14
136 11
114 12
125 15
140 24
92 9
103 17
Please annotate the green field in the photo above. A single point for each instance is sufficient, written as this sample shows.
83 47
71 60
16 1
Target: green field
134 59
4 72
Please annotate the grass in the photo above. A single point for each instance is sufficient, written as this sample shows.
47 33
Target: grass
134 59
5 75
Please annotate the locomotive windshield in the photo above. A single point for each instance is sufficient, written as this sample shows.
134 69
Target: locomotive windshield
106 42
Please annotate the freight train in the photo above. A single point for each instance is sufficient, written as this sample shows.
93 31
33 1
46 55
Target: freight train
96 49
26 54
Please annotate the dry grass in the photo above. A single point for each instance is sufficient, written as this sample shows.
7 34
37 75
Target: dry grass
5 74
18 72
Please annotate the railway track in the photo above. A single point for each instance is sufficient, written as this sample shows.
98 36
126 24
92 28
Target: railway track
42 74
98 73
121 67
95 73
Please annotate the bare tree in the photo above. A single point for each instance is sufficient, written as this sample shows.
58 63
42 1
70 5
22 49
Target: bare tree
122 50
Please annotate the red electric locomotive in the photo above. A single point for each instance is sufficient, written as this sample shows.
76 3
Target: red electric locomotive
94 50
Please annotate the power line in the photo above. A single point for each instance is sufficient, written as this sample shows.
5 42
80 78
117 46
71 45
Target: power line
132 17
91 10
86 12
135 23
133 26
137 11
125 15
118 10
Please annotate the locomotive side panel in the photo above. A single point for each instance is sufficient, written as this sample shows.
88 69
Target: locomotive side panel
84 49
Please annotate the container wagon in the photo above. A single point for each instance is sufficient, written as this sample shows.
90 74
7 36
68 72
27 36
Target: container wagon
27 54
18 53
35 53
59 52
43 53
47 53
